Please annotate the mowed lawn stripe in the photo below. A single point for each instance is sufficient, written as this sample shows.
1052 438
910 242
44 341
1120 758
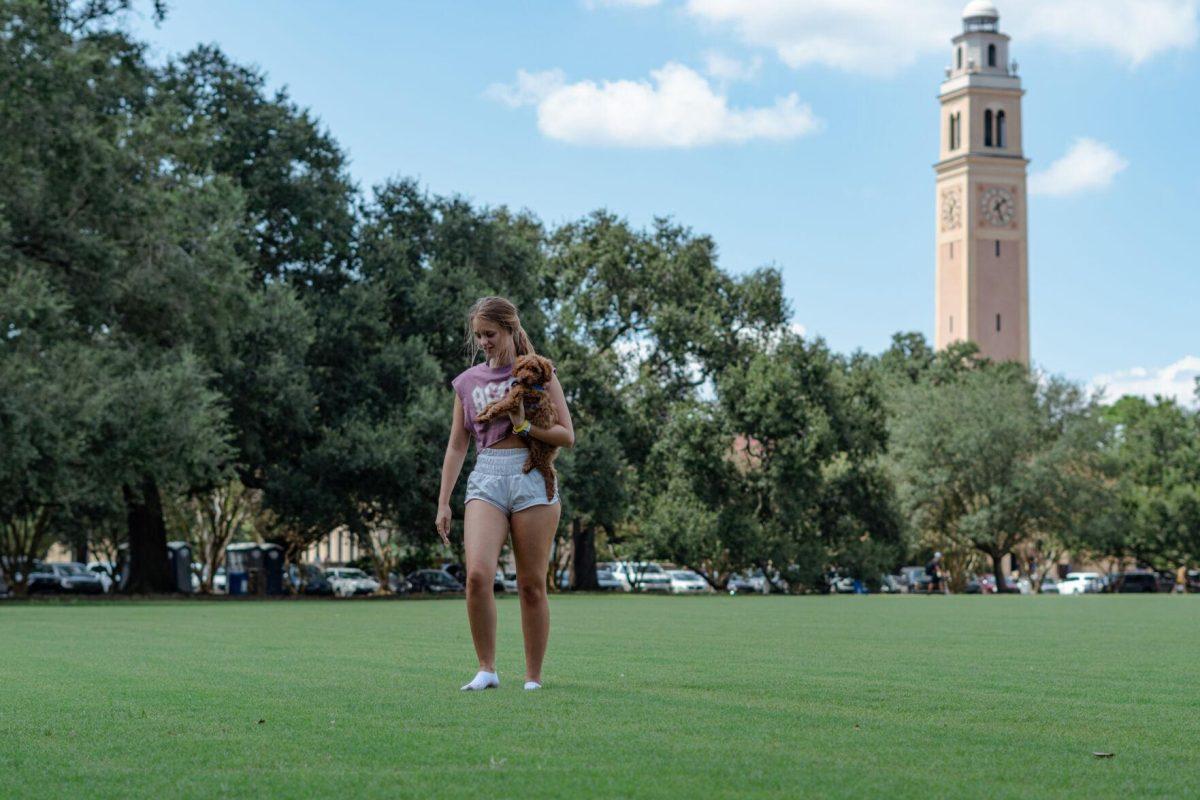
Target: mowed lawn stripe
646 697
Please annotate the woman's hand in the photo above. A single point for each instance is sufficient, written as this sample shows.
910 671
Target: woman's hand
517 416
443 523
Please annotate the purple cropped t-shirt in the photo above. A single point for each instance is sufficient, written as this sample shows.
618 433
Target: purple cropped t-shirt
477 388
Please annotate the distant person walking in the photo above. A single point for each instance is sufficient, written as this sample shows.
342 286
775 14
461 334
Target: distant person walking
501 498
933 571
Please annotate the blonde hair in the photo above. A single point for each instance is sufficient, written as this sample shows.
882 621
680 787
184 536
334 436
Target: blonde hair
503 314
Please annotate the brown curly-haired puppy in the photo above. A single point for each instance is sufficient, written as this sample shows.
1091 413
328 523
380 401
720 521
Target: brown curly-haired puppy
532 375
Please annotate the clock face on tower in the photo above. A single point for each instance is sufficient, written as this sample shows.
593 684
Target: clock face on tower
951 209
998 206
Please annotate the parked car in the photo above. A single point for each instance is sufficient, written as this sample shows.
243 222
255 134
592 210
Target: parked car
685 581
1022 586
736 584
349 581
81 579
310 580
608 581
1193 580
1081 583
754 581
1136 582
642 576
891 584
1049 586
64 578
916 580
455 570
986 584
746 584
41 579
434 581
398 584
1166 581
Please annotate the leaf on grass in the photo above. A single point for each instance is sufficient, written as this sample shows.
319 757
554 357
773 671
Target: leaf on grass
1099 754
261 721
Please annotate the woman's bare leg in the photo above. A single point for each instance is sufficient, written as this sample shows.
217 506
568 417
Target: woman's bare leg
485 528
532 534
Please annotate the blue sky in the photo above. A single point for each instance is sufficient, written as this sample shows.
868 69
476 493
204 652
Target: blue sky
797 134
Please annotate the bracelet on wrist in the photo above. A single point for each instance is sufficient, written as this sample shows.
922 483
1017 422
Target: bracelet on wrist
523 429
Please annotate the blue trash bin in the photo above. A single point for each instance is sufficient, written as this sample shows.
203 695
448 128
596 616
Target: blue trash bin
237 583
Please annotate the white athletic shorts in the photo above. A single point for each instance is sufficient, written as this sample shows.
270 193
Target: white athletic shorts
498 479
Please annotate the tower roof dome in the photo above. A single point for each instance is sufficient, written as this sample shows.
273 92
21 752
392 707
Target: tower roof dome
980 8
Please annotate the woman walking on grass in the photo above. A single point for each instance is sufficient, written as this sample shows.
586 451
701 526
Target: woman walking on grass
500 498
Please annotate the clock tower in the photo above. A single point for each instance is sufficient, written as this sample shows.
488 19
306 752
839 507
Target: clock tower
982 270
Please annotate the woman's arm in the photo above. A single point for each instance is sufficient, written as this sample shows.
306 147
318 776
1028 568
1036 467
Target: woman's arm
456 453
561 434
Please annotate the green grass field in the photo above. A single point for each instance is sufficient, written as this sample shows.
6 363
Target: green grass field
645 697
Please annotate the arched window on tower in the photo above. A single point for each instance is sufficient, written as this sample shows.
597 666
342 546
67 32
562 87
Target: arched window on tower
1001 133
987 128
954 132
958 64
991 55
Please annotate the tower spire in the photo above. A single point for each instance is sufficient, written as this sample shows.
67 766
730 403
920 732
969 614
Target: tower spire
981 260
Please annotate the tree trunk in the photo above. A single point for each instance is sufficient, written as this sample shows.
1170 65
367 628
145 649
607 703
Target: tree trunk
583 562
149 564
998 571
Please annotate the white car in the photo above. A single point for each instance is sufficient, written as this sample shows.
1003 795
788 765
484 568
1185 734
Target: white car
684 581
642 576
1081 583
348 581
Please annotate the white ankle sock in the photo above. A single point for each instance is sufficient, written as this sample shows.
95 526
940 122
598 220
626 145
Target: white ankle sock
532 685
483 680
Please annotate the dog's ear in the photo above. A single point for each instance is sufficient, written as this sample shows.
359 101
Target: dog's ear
525 367
545 368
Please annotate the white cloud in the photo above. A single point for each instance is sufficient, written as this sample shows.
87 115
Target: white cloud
1134 29
728 69
1089 164
677 107
873 37
1176 380
529 88
855 35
